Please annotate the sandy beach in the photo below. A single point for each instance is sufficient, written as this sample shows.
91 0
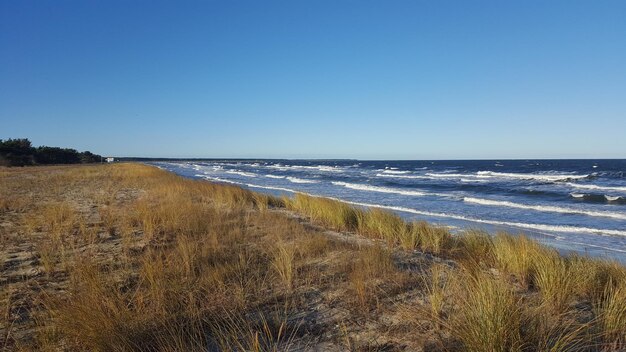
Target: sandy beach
130 257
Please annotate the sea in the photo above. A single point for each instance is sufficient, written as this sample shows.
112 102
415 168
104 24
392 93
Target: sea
571 205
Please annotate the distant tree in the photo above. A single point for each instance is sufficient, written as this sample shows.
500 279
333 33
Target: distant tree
16 152
56 155
20 152
87 157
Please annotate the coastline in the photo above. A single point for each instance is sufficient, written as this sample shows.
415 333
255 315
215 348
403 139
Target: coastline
523 197
158 260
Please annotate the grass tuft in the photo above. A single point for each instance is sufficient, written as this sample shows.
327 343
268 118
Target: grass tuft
488 317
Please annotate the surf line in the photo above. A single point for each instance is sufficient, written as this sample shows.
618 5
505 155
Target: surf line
541 227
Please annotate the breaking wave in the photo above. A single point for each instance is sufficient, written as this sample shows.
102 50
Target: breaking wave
538 177
300 180
370 188
546 208
241 173
395 172
599 198
596 187
417 177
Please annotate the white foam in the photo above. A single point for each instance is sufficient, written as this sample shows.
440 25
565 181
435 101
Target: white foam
325 168
596 187
538 177
472 180
405 176
611 198
577 195
448 175
217 179
274 176
370 188
275 188
300 180
435 176
278 166
241 173
546 208
395 172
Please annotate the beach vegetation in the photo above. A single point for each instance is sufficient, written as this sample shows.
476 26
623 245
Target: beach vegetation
127 257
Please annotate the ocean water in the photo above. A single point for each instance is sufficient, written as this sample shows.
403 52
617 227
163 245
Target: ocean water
572 205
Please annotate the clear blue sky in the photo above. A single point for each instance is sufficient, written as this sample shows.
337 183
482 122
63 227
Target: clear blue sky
316 78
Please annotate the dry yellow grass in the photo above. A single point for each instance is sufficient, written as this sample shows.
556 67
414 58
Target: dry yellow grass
437 282
488 317
283 263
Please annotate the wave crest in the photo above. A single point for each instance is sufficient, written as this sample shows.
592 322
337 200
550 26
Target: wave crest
300 180
546 208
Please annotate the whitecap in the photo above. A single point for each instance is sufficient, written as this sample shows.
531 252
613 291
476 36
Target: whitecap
370 188
448 175
325 168
217 179
546 208
472 180
300 180
538 177
418 177
275 188
241 173
596 187
395 172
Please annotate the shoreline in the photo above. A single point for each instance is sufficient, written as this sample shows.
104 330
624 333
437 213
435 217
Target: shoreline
554 235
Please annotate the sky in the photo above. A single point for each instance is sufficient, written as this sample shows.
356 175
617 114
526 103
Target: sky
316 78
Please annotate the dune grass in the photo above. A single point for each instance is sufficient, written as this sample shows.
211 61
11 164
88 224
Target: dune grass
488 316
134 258
374 223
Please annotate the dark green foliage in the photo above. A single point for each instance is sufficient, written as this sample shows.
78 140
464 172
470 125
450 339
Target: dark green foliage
89 157
16 152
55 155
20 152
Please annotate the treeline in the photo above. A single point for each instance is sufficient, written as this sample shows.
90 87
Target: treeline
20 152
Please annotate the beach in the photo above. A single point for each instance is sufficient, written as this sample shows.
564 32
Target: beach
131 257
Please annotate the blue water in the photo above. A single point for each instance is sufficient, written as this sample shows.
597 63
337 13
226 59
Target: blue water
572 205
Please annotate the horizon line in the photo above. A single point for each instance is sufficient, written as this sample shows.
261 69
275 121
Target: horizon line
350 159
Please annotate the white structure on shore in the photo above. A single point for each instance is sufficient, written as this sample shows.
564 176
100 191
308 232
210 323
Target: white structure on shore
109 159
